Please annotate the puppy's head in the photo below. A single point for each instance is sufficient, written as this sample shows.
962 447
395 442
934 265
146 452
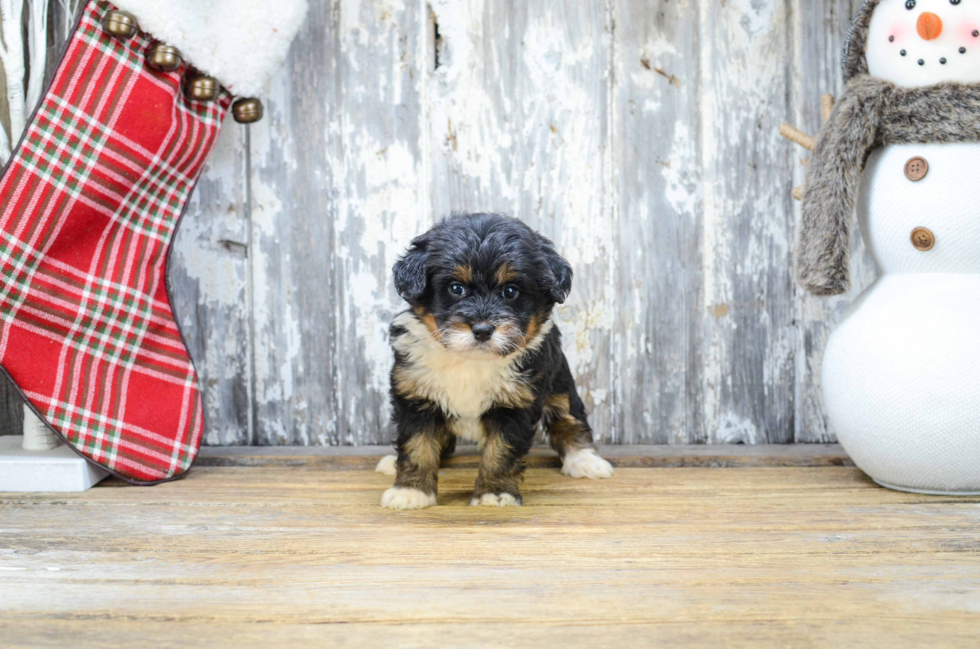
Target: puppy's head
483 283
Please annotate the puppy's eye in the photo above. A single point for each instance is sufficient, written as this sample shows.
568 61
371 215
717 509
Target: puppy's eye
510 293
457 289
910 4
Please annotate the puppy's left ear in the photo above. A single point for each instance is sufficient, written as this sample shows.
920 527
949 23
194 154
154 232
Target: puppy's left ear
562 273
411 277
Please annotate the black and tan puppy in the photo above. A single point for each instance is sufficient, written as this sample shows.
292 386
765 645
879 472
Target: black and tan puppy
477 356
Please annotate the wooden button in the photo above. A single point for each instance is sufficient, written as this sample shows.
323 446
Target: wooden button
916 169
923 239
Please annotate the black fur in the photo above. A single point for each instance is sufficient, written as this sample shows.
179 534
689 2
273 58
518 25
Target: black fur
483 241
487 257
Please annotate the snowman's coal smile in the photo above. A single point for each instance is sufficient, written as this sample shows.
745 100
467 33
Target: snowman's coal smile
942 61
929 27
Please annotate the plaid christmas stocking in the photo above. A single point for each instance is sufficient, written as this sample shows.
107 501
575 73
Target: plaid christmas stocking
89 204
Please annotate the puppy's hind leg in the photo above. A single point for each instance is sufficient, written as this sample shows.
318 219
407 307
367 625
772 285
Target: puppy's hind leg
417 465
571 436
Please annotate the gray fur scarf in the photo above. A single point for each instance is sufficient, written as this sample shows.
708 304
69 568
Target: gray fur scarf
869 114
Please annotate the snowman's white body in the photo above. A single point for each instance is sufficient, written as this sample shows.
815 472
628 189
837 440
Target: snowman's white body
901 372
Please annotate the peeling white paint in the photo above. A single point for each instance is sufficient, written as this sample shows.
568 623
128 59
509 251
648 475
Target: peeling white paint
683 186
733 429
534 110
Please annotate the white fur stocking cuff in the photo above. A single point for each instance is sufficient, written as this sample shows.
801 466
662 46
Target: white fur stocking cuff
239 42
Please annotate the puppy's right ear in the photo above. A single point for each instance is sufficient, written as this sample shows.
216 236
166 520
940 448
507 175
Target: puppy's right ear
411 277
561 271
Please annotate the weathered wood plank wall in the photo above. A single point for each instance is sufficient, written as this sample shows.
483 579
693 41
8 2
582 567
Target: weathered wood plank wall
639 134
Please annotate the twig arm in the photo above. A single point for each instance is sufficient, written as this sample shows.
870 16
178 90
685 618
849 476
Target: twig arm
797 136
826 106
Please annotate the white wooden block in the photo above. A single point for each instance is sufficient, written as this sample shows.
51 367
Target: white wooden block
56 470
37 436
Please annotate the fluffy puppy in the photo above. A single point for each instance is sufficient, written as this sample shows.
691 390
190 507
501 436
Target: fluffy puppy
477 356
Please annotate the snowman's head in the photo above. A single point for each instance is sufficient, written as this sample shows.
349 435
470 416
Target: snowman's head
914 43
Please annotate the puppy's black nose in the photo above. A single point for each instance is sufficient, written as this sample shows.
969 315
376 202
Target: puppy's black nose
482 331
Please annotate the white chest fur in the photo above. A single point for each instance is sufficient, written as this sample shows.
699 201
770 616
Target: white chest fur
463 386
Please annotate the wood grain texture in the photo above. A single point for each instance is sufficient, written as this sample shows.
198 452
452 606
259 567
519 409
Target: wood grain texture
749 340
690 557
640 136
519 123
4 103
337 194
656 145
643 141
817 71
209 285
619 455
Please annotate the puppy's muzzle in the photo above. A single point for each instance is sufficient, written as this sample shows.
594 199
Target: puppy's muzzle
482 331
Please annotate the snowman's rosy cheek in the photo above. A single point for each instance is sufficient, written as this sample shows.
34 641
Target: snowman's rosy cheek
898 32
968 31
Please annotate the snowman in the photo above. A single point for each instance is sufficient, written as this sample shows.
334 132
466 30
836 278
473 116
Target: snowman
901 372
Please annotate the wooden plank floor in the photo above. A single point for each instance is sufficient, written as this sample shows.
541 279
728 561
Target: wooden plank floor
278 556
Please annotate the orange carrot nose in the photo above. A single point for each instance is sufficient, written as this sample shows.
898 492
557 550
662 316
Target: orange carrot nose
930 26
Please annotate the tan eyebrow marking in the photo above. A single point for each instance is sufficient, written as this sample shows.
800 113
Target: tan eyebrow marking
506 274
463 274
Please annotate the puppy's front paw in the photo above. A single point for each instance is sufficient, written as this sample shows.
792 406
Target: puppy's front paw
407 498
586 463
387 465
497 500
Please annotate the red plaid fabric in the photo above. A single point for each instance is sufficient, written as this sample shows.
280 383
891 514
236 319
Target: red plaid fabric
88 207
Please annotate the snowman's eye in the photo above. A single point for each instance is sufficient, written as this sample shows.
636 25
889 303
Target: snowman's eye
910 4
954 2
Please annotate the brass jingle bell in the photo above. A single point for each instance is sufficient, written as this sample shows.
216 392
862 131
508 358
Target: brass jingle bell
164 57
202 88
120 24
247 111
